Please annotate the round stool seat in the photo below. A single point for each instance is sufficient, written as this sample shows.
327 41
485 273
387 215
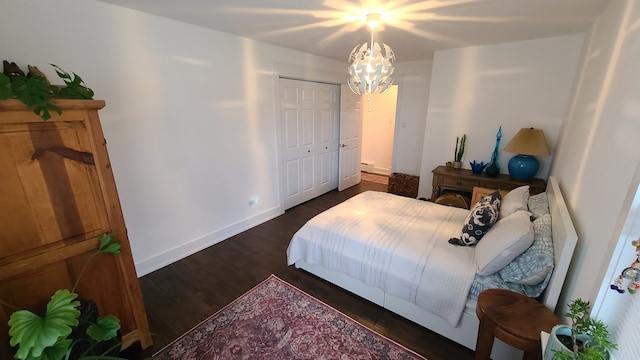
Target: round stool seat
513 318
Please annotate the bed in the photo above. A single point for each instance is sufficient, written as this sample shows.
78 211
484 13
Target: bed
393 251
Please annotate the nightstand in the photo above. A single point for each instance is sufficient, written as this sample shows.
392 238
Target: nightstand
463 181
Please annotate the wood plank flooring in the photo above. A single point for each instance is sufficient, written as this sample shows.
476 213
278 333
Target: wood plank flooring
179 296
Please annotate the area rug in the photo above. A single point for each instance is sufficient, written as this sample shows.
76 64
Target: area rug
275 320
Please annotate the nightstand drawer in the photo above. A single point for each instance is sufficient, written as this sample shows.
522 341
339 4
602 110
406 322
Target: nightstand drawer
501 185
459 183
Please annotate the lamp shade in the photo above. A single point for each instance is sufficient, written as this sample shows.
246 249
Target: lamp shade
527 143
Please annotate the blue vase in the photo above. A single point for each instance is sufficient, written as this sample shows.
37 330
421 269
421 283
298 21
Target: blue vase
493 169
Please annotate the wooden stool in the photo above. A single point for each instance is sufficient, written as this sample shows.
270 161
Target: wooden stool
513 318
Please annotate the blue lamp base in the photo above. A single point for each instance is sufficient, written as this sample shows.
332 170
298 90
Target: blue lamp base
523 167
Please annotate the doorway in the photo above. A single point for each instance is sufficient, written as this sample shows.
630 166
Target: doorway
378 129
311 138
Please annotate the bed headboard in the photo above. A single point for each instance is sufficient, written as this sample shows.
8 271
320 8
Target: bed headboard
564 242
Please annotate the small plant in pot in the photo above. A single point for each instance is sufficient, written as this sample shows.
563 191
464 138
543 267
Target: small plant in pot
459 151
35 91
585 339
68 328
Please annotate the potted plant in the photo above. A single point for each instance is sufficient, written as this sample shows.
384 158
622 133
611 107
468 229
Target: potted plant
68 328
35 91
459 151
586 338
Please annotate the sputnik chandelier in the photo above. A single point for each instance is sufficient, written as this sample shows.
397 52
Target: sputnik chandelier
371 66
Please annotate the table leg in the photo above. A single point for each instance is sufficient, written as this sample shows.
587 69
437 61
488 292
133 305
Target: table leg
484 343
435 192
534 354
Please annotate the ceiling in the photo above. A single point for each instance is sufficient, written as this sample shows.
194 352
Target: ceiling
413 28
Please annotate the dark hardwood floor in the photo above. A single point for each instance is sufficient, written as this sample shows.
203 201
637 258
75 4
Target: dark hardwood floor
180 295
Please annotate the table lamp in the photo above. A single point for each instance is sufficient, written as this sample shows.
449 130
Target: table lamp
527 143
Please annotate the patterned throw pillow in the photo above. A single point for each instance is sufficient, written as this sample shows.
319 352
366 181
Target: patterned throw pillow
481 217
538 205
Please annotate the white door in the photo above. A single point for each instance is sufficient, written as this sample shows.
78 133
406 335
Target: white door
350 138
309 115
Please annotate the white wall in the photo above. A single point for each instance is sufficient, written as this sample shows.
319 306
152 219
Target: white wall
475 90
190 119
413 78
378 129
598 155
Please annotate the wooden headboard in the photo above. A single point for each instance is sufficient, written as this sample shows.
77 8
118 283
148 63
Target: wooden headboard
565 239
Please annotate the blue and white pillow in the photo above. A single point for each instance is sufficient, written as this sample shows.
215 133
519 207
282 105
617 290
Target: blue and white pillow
481 217
538 205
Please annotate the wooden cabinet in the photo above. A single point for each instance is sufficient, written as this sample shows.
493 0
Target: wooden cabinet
463 180
58 196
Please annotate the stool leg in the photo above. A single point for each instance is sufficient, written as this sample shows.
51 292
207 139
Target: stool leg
533 354
484 344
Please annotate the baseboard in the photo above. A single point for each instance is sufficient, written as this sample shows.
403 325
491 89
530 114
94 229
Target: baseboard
170 256
381 171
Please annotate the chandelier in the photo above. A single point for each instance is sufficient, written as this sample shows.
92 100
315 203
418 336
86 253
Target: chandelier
371 66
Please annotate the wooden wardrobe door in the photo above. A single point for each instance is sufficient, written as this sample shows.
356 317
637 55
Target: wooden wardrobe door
50 189
57 198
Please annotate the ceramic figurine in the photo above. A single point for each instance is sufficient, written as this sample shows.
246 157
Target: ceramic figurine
477 167
632 274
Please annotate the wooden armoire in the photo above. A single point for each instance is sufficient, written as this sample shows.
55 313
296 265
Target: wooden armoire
57 197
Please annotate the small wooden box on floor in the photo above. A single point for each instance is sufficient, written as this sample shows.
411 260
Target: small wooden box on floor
58 197
404 185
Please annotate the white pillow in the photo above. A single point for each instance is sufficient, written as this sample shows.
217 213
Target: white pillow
514 200
507 239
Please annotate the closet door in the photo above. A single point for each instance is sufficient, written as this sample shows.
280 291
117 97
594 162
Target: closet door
309 113
350 138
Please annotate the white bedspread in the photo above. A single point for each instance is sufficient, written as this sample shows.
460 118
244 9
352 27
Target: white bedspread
394 243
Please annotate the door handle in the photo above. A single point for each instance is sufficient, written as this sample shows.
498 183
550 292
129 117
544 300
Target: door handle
343 145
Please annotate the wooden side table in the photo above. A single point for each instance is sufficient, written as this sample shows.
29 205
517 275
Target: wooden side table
513 318
464 180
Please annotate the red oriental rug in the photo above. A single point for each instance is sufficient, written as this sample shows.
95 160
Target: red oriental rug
274 320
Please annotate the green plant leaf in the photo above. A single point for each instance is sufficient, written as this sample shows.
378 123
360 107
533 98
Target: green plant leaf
33 333
105 328
43 111
56 351
109 244
75 87
36 94
5 87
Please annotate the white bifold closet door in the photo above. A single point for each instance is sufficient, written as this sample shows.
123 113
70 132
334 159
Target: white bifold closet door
310 116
